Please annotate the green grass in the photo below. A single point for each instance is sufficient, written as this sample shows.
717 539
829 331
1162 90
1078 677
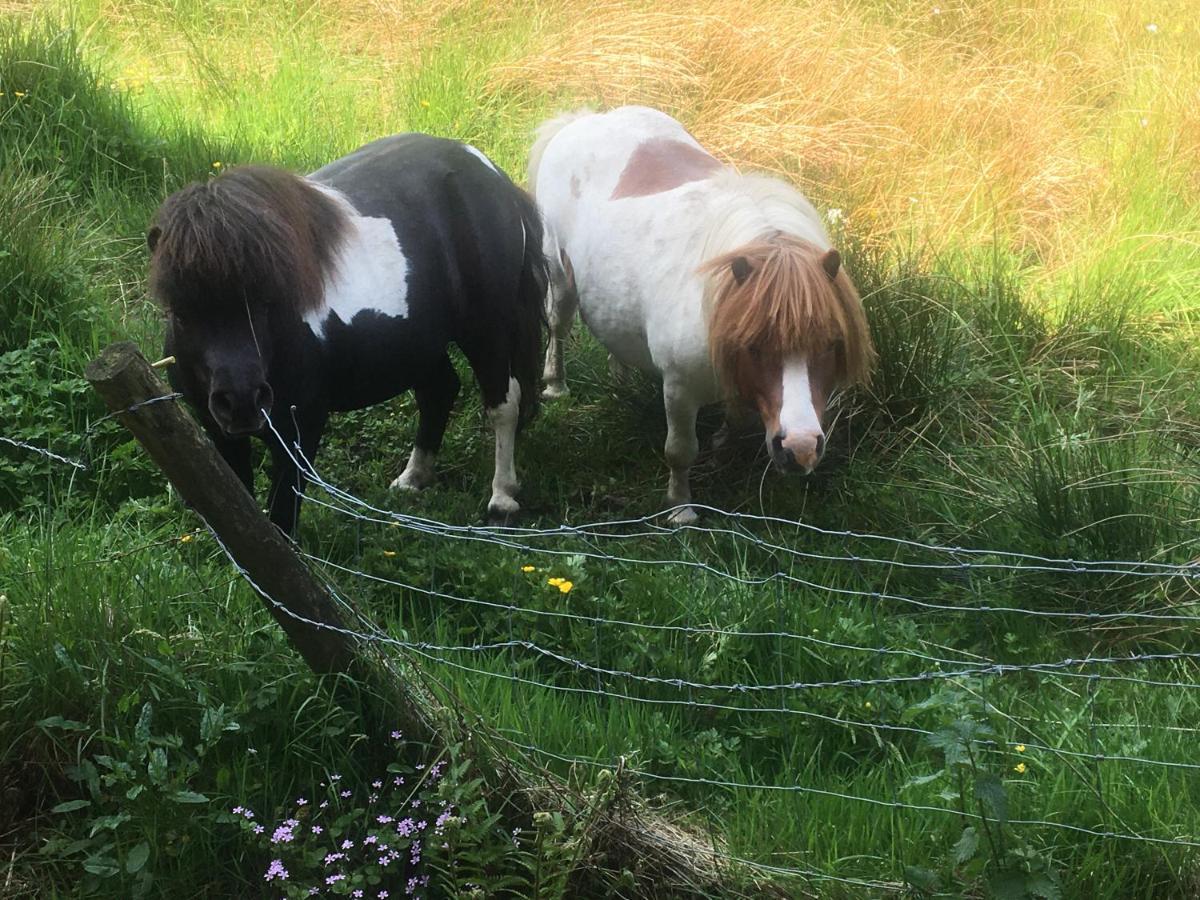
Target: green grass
1000 416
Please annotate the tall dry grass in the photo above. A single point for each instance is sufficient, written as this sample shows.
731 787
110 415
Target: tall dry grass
949 121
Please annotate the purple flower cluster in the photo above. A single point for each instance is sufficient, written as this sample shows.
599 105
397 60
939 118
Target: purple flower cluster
364 848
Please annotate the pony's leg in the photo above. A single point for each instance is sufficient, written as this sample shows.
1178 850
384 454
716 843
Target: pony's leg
562 301
739 422
287 481
236 452
435 398
504 416
681 450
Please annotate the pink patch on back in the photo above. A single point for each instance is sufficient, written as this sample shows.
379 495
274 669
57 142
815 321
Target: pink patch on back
661 164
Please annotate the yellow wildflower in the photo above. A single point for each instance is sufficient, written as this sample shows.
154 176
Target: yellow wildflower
867 704
216 164
389 553
526 568
1020 748
186 539
18 93
425 103
565 586
554 581
1019 768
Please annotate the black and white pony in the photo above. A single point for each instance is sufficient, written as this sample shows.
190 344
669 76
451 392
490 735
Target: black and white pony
310 295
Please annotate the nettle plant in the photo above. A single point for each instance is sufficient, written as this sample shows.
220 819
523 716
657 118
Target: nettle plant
973 776
107 832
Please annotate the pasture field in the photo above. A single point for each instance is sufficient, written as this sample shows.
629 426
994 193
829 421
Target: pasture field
1015 185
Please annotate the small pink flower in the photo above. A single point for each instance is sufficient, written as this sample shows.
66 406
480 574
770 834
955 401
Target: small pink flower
258 829
317 829
334 879
276 870
237 810
396 735
344 794
377 784
383 820
300 801
347 844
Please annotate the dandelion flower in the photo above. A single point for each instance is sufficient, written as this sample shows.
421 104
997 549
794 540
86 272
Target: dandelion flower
1019 768
1020 748
217 164
527 568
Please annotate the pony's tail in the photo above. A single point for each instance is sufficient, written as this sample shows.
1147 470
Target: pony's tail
529 321
543 136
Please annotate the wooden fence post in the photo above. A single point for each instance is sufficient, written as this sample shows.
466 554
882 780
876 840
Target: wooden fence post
659 858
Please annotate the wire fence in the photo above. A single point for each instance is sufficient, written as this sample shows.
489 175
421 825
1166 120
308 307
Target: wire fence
767 562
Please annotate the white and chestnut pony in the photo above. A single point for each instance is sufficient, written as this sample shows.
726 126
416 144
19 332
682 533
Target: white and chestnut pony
723 285
335 291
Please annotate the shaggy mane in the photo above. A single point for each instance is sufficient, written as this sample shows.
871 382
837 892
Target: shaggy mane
787 304
253 232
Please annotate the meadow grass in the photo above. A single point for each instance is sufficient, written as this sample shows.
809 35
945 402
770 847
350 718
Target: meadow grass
1026 247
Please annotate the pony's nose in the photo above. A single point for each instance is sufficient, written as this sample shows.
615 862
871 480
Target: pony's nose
263 398
801 450
240 411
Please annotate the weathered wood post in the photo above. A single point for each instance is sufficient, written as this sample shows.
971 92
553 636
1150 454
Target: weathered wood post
661 859
294 597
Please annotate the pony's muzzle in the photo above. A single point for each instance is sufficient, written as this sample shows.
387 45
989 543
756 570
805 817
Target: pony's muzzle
797 451
241 411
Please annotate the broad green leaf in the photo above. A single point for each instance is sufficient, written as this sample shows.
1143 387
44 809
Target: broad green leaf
921 878
990 791
188 797
137 858
1045 885
141 731
1009 884
62 724
70 806
967 845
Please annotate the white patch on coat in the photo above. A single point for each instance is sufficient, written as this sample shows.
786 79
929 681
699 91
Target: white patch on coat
476 152
371 272
797 415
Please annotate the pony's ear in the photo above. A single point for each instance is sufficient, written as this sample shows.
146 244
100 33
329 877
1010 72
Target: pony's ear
152 237
831 261
740 269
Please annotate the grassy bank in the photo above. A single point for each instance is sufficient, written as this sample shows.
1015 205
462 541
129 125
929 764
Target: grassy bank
1019 209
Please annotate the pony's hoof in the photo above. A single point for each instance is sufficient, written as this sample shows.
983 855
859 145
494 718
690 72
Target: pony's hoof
684 516
555 391
410 482
503 510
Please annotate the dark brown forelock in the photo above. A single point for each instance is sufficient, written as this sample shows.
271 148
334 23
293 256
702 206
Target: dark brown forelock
255 232
787 304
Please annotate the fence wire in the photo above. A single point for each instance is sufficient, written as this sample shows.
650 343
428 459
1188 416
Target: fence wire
604 542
